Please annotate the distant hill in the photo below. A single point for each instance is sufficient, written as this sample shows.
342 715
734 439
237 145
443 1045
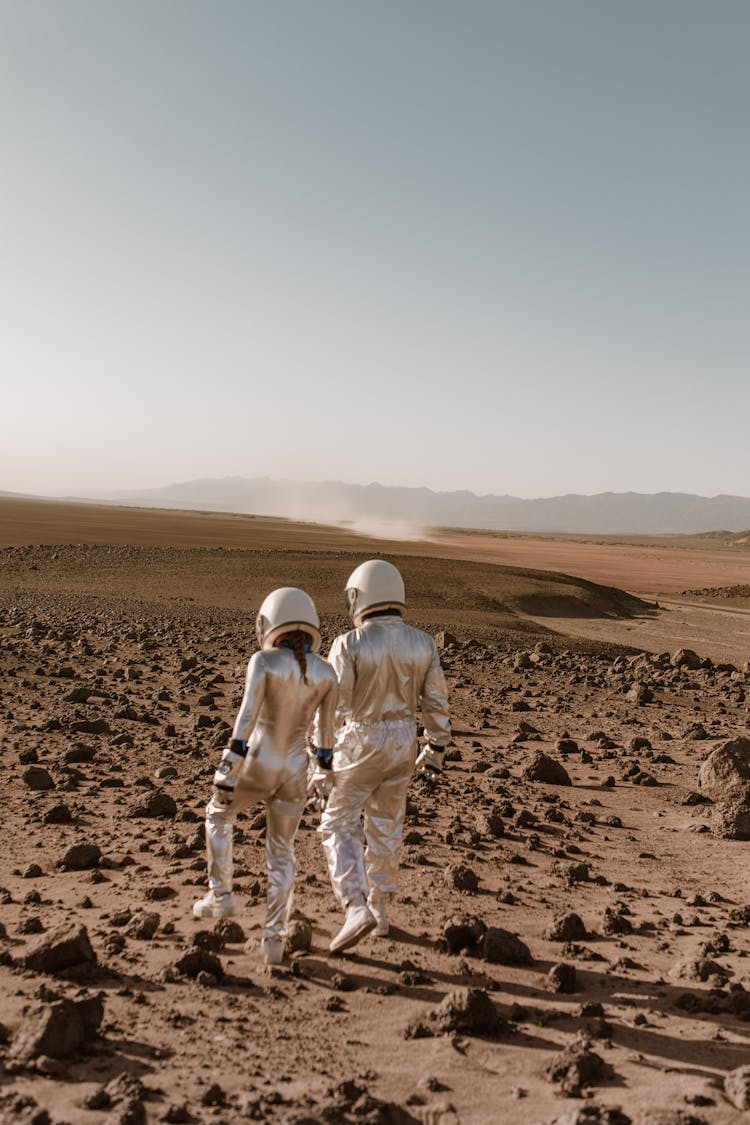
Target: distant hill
607 513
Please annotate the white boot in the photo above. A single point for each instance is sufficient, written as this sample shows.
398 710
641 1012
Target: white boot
214 906
273 949
378 907
359 921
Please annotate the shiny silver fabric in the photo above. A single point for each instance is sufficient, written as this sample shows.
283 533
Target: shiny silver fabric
274 718
387 670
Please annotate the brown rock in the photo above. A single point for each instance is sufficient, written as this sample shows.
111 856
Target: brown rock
56 1030
725 774
737 1087
157 805
685 658
562 978
566 927
80 857
230 931
461 877
540 767
199 961
60 948
731 820
505 948
575 1067
36 777
144 925
463 931
468 1010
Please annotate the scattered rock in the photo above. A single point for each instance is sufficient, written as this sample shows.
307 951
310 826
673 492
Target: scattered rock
156 805
299 935
489 824
505 948
730 820
725 774
737 1087
199 961
461 877
575 1068
56 1030
144 925
593 1115
463 931
540 767
469 1011
61 948
37 777
562 978
80 857
566 927
229 931
686 658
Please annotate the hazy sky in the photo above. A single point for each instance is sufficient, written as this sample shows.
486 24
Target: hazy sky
475 244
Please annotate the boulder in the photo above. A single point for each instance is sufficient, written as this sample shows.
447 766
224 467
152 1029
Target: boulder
730 820
199 961
725 774
489 824
299 936
640 695
232 933
143 925
685 658
461 877
575 1067
562 978
36 777
566 927
469 1011
80 857
463 931
540 767
737 1087
60 948
56 1030
505 948
156 805
593 1115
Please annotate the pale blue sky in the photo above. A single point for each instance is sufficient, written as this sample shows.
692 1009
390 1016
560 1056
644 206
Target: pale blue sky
494 245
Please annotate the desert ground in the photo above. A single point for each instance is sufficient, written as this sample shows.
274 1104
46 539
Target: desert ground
570 937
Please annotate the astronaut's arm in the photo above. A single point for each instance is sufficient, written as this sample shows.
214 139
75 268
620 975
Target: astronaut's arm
252 701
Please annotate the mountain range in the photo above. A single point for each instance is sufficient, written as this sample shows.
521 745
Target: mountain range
413 509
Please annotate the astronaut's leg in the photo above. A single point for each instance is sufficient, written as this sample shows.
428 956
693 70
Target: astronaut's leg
384 828
221 815
283 813
342 841
341 832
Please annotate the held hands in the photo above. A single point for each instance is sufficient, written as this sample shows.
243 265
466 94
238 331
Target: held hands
429 763
320 783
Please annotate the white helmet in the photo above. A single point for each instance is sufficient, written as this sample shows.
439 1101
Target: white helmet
376 584
283 611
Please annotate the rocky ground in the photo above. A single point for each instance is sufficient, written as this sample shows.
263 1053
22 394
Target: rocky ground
571 935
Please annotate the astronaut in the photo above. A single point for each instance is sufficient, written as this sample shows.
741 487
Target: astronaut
386 670
287 686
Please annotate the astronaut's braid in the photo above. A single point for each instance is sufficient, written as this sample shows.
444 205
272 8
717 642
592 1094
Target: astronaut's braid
299 640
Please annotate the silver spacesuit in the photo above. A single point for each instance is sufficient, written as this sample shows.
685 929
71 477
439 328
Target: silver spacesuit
267 760
387 670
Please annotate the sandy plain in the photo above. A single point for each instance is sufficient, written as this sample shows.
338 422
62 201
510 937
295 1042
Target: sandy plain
123 639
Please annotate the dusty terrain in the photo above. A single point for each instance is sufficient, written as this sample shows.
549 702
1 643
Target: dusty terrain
123 640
